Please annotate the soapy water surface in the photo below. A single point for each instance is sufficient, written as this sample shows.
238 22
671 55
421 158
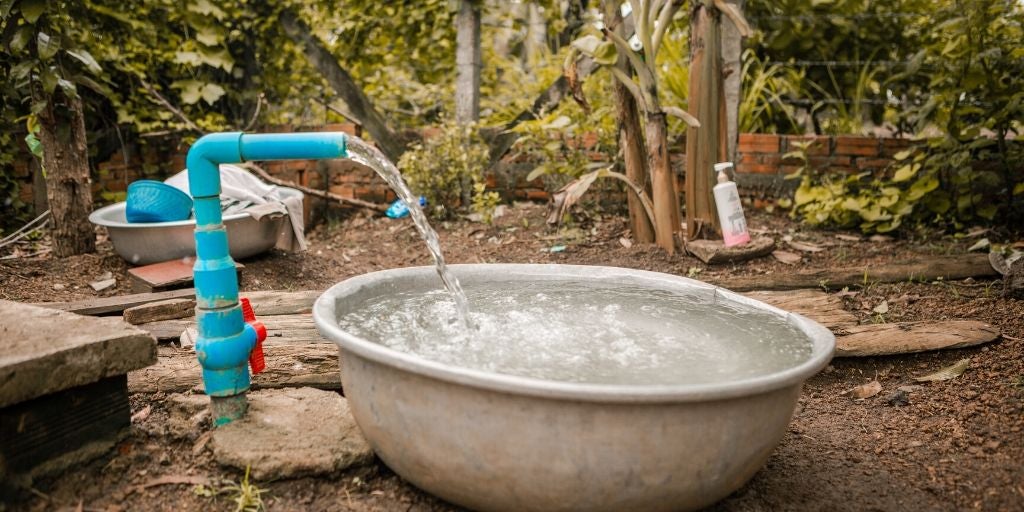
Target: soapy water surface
584 332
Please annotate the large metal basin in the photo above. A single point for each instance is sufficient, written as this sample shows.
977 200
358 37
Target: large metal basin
498 442
153 242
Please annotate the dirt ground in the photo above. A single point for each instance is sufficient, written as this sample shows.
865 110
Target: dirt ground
953 445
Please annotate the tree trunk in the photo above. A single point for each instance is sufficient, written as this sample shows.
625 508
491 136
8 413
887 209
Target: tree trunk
68 187
467 63
631 138
666 200
341 81
732 50
704 145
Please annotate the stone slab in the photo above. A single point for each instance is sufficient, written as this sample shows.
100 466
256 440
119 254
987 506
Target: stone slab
289 433
43 350
714 252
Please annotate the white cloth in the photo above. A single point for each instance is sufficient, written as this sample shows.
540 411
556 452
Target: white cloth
241 191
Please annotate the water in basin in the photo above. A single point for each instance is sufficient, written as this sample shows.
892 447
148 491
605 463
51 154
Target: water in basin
585 332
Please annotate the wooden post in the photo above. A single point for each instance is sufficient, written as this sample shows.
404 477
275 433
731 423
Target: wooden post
704 145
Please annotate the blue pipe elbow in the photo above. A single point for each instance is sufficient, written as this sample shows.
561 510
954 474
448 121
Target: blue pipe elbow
225 340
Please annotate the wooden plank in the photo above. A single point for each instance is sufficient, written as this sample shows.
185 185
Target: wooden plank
117 304
169 309
927 269
281 329
910 337
166 275
178 370
281 302
817 305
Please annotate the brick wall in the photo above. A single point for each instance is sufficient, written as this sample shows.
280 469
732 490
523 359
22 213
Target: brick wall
762 163
760 169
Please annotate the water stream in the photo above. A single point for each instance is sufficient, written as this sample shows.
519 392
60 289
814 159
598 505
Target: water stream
368 155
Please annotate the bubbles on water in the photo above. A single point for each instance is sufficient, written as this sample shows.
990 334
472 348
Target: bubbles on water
585 332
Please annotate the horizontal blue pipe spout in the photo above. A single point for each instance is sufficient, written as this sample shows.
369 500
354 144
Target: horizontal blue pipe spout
224 340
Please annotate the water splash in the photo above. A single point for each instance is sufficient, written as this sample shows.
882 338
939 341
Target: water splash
368 155
585 331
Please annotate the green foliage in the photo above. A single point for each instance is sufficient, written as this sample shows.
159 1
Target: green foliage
765 88
446 166
875 205
484 202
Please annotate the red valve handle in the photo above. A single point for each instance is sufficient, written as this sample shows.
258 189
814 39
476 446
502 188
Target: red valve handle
256 361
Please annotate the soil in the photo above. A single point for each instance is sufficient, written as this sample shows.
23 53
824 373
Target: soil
951 445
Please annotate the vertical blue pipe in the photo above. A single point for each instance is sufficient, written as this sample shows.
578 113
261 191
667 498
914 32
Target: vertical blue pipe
224 340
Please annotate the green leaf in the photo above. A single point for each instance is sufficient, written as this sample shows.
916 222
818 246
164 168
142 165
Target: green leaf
87 59
47 46
5 8
208 36
32 10
21 70
921 187
49 79
68 87
903 155
988 211
190 58
906 172
211 93
206 8
190 90
605 53
537 172
1018 189
21 39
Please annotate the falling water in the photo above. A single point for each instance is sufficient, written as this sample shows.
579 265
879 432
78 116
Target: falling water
364 153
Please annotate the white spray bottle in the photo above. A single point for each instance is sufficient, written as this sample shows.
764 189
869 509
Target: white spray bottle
730 211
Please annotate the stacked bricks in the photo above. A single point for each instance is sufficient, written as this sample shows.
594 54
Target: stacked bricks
765 154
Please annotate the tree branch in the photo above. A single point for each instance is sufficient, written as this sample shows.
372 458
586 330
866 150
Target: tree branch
312 191
169 106
343 83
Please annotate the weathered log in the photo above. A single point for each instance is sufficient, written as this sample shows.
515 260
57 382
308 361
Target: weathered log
910 337
817 305
178 370
170 309
714 252
281 329
117 304
927 269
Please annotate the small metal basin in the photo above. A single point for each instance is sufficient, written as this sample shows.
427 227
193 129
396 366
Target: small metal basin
499 442
153 242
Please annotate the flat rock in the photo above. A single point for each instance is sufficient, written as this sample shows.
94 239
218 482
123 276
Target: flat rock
714 251
45 350
292 432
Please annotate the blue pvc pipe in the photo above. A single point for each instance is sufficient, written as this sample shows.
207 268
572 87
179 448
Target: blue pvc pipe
224 340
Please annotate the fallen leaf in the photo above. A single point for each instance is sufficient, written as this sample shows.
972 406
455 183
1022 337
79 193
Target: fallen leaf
804 246
849 238
786 257
880 238
846 292
625 242
882 308
950 372
866 390
980 245
976 231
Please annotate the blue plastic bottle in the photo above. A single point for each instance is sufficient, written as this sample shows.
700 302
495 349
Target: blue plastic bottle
398 209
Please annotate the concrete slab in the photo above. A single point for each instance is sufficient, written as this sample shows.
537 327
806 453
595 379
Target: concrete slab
44 351
292 432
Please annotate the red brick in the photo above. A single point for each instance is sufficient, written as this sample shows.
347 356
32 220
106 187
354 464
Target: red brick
857 146
822 144
346 191
539 195
759 143
750 158
824 162
757 169
873 163
892 146
21 170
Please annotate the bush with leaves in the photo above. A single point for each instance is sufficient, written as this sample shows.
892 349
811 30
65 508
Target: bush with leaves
445 167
